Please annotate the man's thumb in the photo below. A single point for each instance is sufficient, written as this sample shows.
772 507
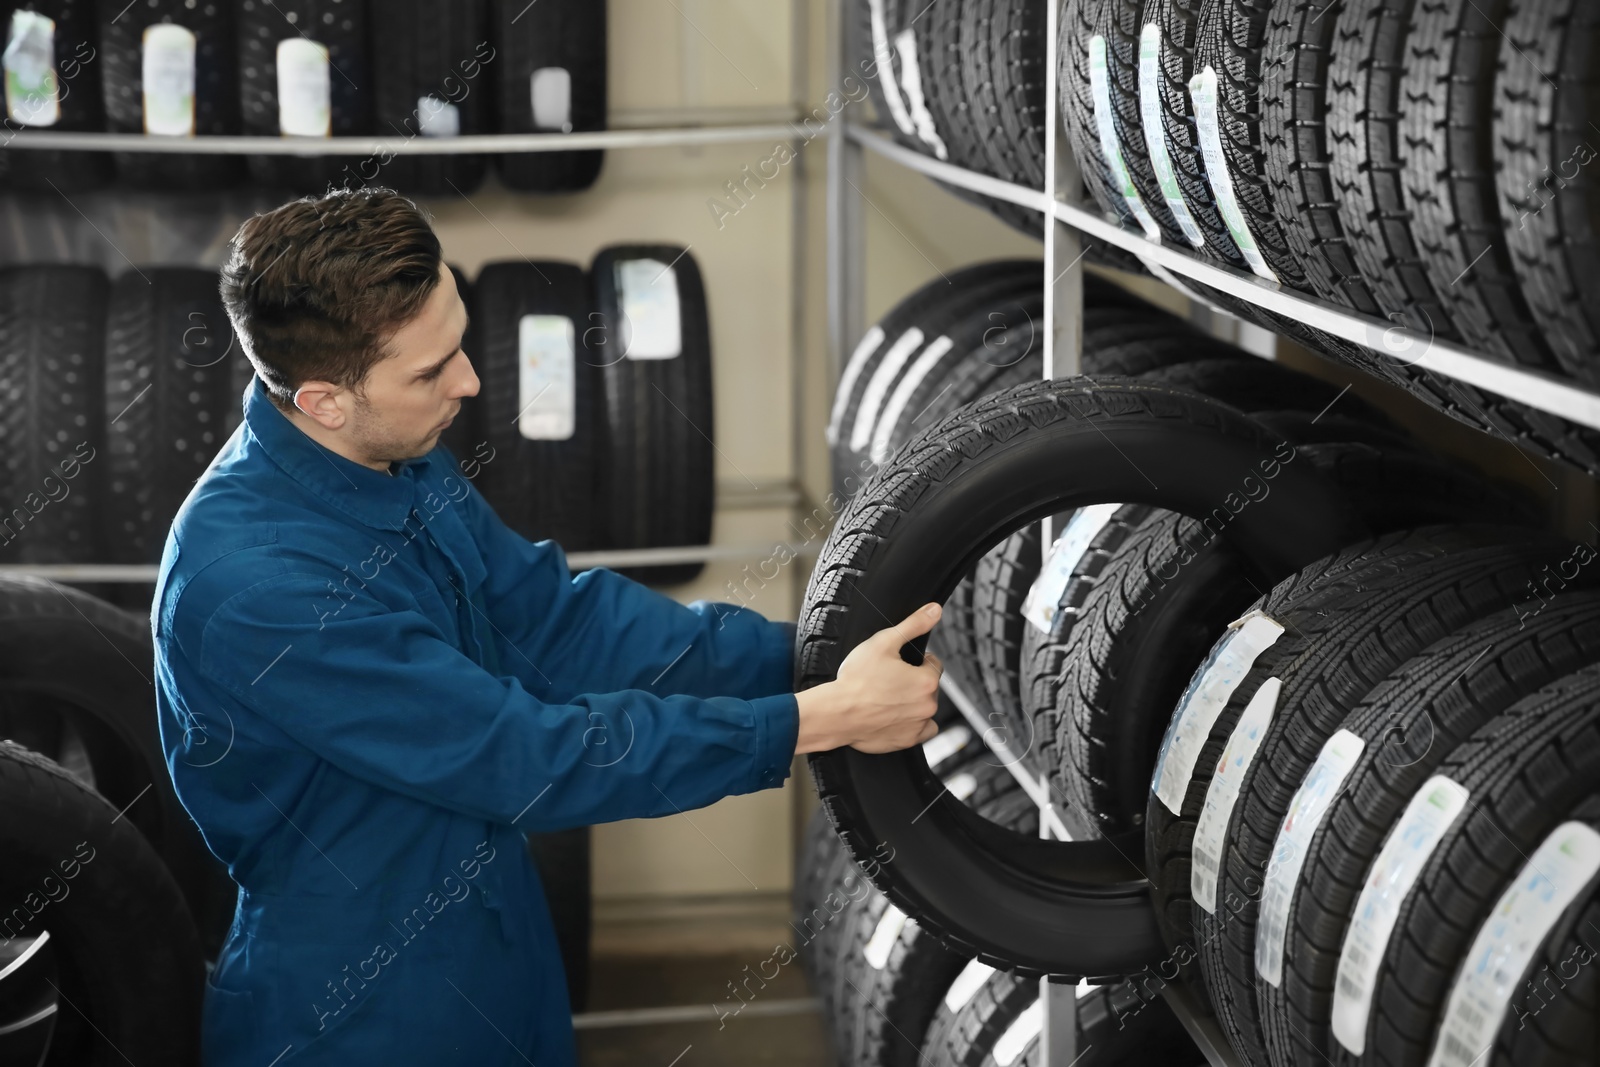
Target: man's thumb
915 625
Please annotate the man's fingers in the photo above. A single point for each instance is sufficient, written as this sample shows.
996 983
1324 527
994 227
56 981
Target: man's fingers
930 659
929 728
912 626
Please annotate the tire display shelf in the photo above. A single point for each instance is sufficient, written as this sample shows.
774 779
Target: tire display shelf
1067 219
715 130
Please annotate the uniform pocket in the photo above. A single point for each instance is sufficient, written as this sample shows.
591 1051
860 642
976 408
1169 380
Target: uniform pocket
228 1027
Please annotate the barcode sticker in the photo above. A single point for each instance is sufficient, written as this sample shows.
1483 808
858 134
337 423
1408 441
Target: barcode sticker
1155 135
166 74
437 118
547 401
1493 969
305 89
32 89
847 380
1211 833
884 936
888 368
1306 810
1203 89
1110 146
1208 693
1043 601
1430 812
652 327
905 43
550 93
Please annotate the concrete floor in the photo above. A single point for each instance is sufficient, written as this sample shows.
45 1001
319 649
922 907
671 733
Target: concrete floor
742 1037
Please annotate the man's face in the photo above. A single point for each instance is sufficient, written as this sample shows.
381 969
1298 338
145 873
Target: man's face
412 395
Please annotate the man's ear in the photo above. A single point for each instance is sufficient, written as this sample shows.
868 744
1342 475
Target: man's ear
321 401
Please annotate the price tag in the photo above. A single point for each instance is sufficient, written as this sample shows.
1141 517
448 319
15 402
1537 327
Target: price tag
1155 133
547 399
551 92
305 101
884 935
1110 146
437 118
1203 89
1210 836
32 88
166 73
1043 601
651 327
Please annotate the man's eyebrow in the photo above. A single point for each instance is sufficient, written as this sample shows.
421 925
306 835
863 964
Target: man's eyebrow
424 372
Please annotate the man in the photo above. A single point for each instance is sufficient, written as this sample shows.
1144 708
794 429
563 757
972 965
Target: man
370 688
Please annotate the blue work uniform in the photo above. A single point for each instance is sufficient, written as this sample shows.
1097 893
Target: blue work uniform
369 689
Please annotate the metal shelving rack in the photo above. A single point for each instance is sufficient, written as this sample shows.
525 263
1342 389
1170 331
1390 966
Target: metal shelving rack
715 126
1066 218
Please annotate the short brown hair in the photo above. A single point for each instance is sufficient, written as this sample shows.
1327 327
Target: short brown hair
315 287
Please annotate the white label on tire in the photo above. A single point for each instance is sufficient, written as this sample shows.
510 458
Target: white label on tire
647 291
905 43
32 90
884 61
166 73
550 89
967 984
889 421
437 118
878 386
1230 660
1405 852
1562 866
547 399
1305 814
1043 601
962 786
305 89
1019 1035
1211 834
1155 133
1203 89
1110 147
847 380
946 743
884 935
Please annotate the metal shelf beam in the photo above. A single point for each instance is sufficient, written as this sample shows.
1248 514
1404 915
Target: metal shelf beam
402 144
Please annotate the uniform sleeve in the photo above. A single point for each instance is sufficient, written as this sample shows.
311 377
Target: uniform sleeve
385 696
604 631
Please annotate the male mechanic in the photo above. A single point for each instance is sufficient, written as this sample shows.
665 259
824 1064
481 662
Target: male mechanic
370 688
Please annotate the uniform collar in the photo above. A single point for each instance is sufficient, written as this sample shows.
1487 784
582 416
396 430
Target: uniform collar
369 496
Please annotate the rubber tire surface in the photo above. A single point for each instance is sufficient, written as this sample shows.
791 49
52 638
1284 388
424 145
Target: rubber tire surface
339 25
216 90
1410 722
429 48
568 34
133 973
541 488
1528 770
659 418
909 536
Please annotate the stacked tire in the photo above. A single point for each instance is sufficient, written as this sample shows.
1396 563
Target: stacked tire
1313 703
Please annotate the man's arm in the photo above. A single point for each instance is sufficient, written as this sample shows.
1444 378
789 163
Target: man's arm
385 696
602 630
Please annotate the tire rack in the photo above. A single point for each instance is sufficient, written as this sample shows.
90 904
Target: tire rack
1067 216
681 127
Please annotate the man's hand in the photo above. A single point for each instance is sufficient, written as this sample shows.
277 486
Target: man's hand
879 702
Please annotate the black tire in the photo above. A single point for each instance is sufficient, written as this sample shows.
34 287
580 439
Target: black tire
80 104
216 90
661 487
171 400
567 35
899 990
1002 74
1365 168
549 487
121 952
1452 50
962 1036
73 667
1179 21
1410 723
1556 1021
1120 22
52 359
1527 771
563 862
1340 640
918 527
1544 110
1229 40
1078 25
434 51
1294 139
340 27
892 340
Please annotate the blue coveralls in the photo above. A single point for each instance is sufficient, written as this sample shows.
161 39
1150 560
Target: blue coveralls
369 690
